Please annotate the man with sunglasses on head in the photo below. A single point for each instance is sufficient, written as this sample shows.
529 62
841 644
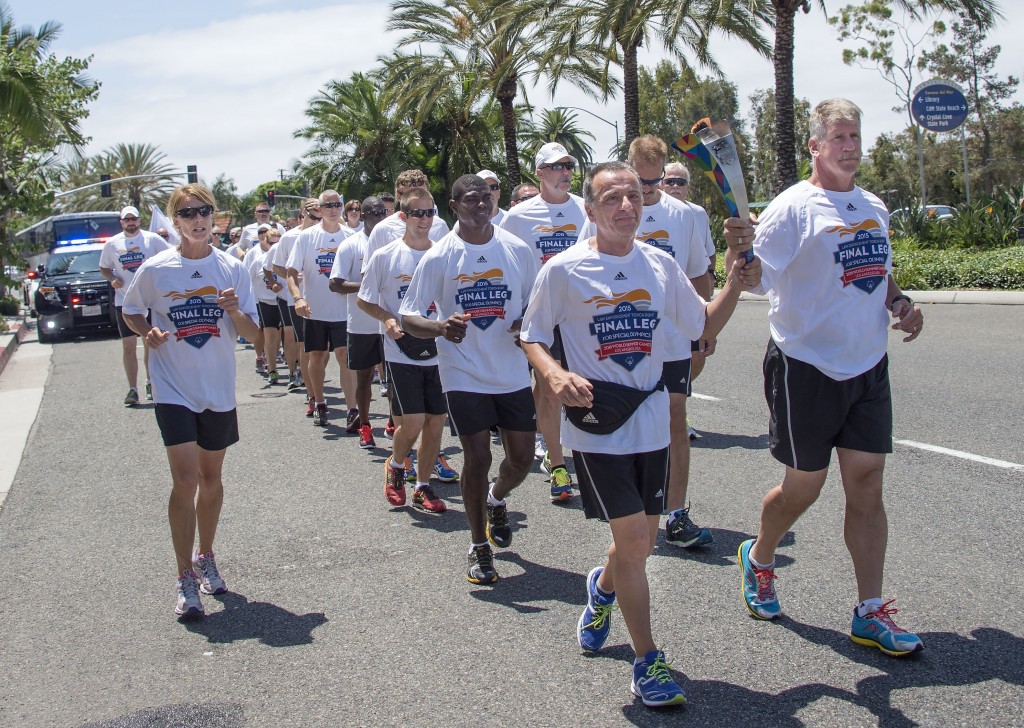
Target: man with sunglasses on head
250 233
120 258
365 348
495 184
549 224
309 215
392 227
324 311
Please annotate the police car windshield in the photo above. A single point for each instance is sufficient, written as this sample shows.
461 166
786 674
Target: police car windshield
86 261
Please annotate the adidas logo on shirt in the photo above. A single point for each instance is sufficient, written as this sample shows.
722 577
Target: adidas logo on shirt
650 218
620 276
197 274
850 207
481 259
559 215
590 419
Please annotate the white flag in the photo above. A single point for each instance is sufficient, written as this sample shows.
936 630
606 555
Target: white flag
159 220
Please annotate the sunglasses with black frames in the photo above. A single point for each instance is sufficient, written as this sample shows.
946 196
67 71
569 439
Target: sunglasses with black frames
559 166
420 213
676 182
331 205
190 212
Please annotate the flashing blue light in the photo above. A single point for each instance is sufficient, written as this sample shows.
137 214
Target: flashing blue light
76 241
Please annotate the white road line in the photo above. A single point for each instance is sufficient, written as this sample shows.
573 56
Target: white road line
708 397
960 454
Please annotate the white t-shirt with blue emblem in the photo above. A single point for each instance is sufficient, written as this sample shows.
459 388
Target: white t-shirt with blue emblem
313 257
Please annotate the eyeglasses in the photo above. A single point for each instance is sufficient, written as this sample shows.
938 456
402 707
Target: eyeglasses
190 212
651 182
375 212
676 181
330 205
263 212
165 236
559 166
494 188
524 198
420 213
129 219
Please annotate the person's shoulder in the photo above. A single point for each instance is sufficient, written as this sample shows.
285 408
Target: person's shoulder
580 202
168 255
523 209
510 239
671 203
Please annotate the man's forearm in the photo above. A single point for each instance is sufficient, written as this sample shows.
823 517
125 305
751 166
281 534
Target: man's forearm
137 323
293 283
422 327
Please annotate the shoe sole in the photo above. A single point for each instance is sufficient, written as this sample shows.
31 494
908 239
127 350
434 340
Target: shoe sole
743 589
422 507
561 497
189 614
202 590
676 699
449 479
471 580
367 445
892 653
692 544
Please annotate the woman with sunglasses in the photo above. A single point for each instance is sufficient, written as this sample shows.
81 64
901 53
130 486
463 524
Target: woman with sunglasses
201 299
353 215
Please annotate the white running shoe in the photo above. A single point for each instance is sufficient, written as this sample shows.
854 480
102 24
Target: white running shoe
205 566
540 448
188 604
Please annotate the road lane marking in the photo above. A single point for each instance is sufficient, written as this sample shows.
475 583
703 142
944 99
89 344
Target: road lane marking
708 397
960 454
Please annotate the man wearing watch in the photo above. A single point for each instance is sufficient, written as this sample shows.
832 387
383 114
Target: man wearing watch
826 264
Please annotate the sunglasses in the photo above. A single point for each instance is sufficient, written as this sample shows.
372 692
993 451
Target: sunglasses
524 198
495 188
190 212
375 212
651 182
676 181
129 219
263 212
331 205
559 166
420 213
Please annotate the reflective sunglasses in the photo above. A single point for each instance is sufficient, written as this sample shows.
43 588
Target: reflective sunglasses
420 213
651 182
559 166
524 198
676 182
331 205
375 212
190 212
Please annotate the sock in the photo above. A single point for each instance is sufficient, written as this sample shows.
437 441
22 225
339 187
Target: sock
133 389
324 403
868 606
602 592
476 545
397 466
491 500
761 566
421 486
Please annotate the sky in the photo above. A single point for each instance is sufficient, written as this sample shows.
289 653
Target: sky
223 85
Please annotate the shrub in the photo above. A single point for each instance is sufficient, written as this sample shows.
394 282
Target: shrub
9 306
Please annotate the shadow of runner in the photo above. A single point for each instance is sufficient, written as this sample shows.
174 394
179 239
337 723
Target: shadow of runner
241 619
723 551
948 660
721 441
537 583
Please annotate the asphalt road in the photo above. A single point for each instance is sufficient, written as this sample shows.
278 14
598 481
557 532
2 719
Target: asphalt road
345 611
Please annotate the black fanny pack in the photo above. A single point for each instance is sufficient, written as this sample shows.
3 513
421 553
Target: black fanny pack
613 404
417 348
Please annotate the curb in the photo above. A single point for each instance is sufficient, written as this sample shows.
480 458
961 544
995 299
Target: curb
9 340
989 298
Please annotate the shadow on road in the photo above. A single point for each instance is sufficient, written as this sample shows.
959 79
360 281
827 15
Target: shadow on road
723 551
537 583
241 619
720 441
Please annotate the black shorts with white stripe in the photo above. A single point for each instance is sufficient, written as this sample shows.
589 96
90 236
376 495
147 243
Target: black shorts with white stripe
473 412
811 413
615 486
415 390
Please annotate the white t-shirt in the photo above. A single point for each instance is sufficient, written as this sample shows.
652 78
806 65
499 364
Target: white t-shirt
385 283
492 283
254 261
703 223
825 261
313 257
195 367
548 229
496 220
124 256
348 265
279 256
392 227
611 313
251 234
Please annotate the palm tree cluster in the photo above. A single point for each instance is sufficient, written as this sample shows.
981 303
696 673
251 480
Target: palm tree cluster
120 160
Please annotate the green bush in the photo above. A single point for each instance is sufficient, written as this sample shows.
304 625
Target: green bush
9 306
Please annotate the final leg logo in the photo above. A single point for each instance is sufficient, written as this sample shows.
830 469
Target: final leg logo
555 238
626 333
863 258
659 239
484 299
325 260
196 318
131 258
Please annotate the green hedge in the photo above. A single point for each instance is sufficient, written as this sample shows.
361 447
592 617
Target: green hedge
934 270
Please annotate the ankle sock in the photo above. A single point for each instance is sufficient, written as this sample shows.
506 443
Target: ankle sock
491 500
868 606
763 567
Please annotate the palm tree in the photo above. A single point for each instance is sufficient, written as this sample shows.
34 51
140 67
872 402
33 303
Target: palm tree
557 125
982 12
133 160
681 26
494 46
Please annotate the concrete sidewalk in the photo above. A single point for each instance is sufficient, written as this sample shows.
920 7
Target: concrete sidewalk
990 298
21 392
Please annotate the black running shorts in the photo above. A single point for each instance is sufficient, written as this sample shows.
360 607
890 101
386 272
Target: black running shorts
122 326
811 413
270 315
210 430
365 351
298 324
325 335
415 390
676 375
473 412
282 307
615 486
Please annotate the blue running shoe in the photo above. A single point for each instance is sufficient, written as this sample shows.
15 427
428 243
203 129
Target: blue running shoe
410 468
443 472
758 586
878 630
653 683
596 621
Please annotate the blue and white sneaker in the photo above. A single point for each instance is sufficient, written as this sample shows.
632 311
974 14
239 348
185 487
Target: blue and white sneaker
596 621
878 630
758 586
443 472
410 467
653 683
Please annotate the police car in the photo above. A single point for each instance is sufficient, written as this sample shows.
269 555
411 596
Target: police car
72 295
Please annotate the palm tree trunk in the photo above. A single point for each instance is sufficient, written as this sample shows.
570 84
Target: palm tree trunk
785 134
506 98
631 93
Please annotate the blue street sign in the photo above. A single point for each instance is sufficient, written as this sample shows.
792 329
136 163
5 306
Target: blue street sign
939 106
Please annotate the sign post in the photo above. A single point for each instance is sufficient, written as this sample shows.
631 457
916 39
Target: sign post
940 106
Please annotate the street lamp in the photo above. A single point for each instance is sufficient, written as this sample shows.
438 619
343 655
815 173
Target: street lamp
599 118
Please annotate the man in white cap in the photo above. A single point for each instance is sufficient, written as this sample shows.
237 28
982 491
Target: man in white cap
495 184
550 223
121 257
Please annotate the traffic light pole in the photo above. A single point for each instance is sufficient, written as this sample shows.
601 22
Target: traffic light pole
58 195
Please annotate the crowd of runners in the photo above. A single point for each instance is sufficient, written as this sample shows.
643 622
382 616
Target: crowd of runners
564 323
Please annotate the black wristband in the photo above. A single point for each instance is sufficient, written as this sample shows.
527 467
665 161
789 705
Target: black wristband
900 297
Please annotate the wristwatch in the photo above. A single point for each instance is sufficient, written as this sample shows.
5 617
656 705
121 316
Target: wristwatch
900 297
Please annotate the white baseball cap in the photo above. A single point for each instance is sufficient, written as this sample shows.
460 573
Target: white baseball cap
129 210
263 226
487 174
552 152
